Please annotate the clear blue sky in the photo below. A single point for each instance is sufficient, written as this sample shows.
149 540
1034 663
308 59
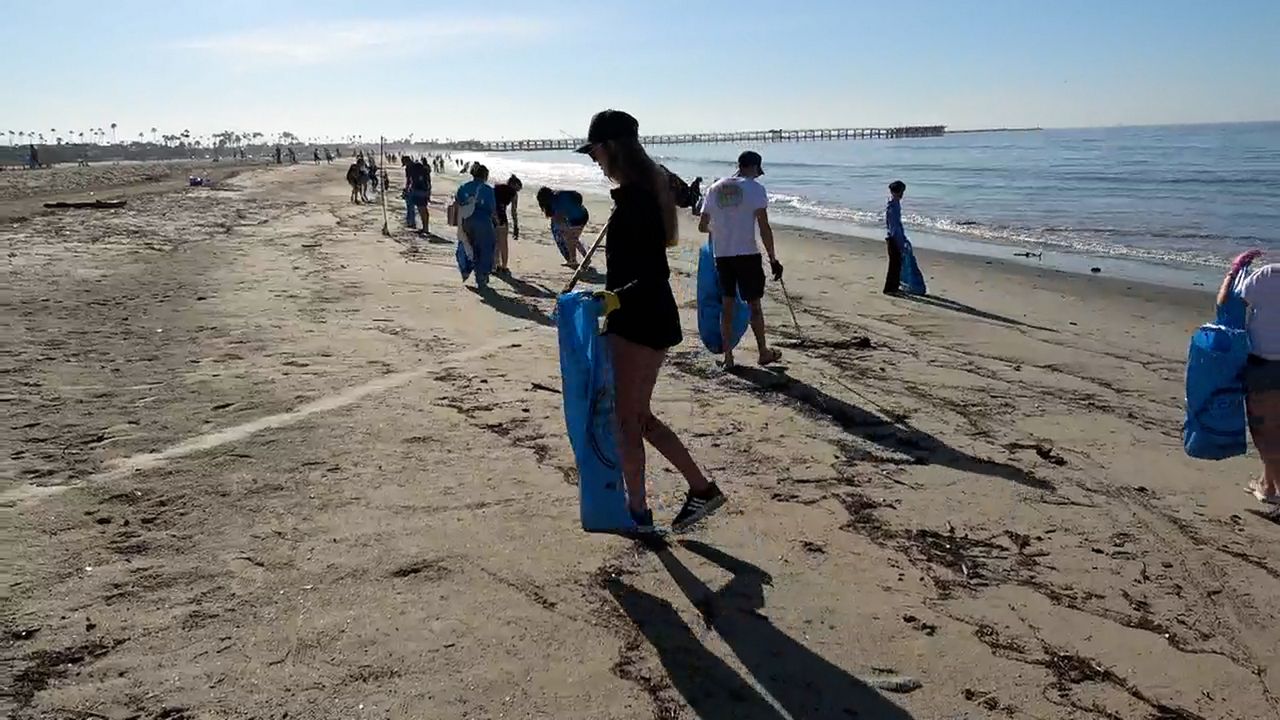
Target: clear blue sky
496 69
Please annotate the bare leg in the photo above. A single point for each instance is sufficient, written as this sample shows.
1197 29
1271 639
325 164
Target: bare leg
501 233
630 409
635 369
757 327
573 241
727 307
668 444
1264 425
422 210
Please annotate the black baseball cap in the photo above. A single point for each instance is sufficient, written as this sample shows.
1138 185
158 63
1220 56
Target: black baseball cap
751 158
609 125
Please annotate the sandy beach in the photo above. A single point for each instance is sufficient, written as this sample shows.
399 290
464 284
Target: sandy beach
261 461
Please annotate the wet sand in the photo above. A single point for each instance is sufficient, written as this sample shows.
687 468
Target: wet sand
261 461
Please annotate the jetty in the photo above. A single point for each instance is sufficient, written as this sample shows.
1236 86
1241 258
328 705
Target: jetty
740 138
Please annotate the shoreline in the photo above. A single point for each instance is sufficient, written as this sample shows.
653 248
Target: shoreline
1136 267
935 260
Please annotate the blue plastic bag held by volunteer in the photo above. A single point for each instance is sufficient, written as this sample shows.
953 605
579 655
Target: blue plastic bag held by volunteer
910 279
710 307
586 376
1216 425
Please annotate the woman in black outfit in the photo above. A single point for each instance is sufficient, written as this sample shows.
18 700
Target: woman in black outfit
646 322
507 195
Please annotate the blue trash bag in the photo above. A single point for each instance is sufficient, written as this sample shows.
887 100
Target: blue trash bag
586 377
910 278
1216 425
710 308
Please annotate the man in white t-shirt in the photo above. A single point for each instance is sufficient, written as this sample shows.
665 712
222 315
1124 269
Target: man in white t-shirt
733 209
1261 294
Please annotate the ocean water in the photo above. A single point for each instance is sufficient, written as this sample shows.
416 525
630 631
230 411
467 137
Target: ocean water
1190 196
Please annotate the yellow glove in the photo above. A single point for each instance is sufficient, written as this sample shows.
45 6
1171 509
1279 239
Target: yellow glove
609 299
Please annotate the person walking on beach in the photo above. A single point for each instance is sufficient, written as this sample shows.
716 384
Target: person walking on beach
478 205
278 154
734 209
646 322
417 193
507 195
355 178
695 196
1261 294
568 216
895 237
315 155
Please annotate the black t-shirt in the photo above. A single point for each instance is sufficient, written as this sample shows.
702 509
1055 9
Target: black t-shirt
636 269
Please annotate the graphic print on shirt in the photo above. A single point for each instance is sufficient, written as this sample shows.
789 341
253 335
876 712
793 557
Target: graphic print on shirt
728 195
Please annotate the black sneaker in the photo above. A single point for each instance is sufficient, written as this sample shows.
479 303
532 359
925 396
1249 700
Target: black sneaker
697 507
643 521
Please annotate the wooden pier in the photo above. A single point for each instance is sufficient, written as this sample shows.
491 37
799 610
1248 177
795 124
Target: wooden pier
741 138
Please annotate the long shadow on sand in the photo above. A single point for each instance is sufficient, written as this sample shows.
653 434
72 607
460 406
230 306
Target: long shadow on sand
900 437
591 275
435 239
526 288
947 304
787 679
513 306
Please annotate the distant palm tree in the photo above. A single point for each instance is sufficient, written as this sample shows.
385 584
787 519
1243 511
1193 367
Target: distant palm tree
11 134
113 133
41 135
81 136
153 135
139 138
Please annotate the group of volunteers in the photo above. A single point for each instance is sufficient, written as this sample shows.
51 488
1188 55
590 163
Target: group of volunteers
487 219
640 230
363 175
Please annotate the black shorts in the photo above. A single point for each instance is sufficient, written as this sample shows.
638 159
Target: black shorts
1261 375
650 318
741 275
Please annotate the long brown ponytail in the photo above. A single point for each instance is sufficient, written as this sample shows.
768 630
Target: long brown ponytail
629 163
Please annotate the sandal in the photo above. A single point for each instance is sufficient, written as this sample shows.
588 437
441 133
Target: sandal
1255 489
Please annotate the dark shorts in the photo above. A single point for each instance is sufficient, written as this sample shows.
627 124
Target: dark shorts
1261 375
741 275
650 319
502 217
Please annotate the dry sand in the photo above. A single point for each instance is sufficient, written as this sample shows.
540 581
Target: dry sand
260 461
